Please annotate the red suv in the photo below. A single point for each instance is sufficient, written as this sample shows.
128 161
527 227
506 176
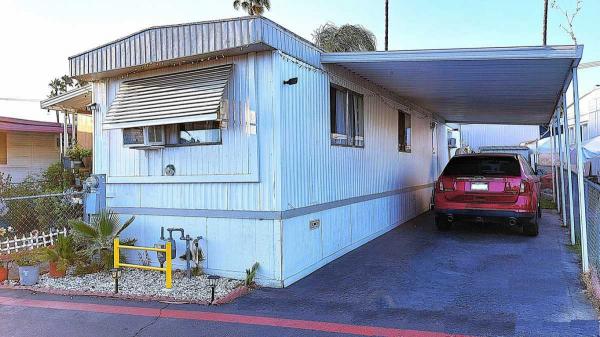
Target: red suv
490 186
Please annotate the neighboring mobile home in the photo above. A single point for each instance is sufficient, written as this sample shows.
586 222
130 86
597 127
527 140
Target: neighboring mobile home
243 133
589 104
478 135
27 147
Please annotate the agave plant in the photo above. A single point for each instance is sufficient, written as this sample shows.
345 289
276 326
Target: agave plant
99 234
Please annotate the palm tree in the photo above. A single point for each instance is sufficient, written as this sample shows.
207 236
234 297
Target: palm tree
99 234
253 7
346 38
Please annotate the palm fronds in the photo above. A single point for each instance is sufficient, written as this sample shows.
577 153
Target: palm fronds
345 38
252 7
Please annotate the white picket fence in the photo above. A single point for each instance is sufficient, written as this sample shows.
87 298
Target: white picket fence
34 240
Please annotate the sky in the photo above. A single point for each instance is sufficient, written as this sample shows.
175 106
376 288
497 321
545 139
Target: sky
37 37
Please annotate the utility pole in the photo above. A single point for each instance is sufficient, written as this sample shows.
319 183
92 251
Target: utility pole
545 23
387 5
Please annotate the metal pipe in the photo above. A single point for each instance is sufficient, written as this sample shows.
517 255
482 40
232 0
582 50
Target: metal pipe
569 174
580 182
561 168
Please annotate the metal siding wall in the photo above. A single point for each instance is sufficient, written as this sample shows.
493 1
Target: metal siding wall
233 157
476 135
229 245
315 172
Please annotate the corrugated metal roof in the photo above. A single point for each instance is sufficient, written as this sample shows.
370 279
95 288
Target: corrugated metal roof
25 125
189 96
166 45
512 85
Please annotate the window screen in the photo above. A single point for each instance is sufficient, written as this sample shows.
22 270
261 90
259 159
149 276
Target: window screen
486 166
133 136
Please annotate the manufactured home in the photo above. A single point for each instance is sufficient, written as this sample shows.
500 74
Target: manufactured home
482 135
27 147
273 151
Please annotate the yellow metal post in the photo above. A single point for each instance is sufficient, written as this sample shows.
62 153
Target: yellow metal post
116 252
168 265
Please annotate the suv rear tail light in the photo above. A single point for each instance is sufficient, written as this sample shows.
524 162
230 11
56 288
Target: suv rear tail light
448 186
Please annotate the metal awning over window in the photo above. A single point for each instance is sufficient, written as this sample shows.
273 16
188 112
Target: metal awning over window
191 96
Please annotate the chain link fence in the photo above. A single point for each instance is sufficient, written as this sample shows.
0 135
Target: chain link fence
22 215
34 207
592 208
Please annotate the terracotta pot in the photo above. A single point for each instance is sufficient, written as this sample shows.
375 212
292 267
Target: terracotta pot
54 272
87 162
3 274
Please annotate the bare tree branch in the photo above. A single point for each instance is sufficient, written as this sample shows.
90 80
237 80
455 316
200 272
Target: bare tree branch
570 17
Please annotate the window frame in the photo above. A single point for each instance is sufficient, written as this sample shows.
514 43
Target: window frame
178 130
354 125
404 138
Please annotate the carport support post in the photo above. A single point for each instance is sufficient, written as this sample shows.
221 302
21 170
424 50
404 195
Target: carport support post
554 194
569 174
580 186
561 168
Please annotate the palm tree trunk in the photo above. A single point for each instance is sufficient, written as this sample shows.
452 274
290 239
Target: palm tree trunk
545 23
386 22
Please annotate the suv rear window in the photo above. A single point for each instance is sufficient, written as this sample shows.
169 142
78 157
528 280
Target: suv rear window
493 166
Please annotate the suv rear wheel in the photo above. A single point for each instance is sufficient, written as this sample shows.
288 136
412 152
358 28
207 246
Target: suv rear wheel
442 223
531 228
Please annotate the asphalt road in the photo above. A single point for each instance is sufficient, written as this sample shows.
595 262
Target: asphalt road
475 280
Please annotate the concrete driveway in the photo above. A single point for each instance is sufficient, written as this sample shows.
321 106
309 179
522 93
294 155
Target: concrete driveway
475 280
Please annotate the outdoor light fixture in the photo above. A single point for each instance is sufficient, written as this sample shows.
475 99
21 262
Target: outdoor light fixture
92 107
291 81
212 282
116 274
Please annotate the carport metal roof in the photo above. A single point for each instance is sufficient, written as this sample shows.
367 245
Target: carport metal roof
511 85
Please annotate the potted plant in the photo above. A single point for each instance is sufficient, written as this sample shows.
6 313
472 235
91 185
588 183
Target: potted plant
4 261
60 256
86 157
29 266
74 153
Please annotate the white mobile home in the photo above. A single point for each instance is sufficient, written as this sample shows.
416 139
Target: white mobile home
478 135
273 151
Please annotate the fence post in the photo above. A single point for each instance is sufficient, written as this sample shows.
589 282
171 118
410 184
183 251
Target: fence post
168 266
580 181
116 252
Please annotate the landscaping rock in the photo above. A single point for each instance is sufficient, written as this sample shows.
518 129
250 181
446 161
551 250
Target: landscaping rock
143 284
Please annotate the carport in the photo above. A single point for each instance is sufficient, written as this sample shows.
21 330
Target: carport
511 85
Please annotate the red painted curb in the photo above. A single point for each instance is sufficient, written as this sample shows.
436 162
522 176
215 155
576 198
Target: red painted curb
361 330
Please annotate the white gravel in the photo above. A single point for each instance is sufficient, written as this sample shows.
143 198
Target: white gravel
144 283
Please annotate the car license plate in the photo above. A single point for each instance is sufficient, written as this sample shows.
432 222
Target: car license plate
479 186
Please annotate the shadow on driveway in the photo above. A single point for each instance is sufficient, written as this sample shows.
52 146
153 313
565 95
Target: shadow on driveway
476 279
